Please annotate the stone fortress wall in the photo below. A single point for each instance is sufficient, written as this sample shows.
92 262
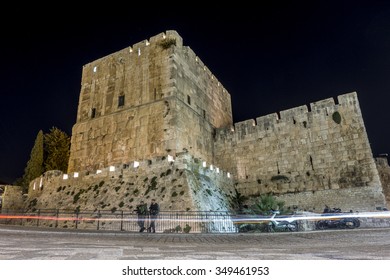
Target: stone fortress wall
183 184
309 156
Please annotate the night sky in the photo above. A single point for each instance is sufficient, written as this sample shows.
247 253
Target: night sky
270 58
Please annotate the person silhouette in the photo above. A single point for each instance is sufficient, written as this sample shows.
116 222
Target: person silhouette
154 210
142 212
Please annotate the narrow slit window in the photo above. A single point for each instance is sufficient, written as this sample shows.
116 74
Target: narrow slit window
204 113
93 113
189 99
121 100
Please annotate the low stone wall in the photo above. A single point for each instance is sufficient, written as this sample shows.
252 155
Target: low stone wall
384 175
357 199
13 198
184 184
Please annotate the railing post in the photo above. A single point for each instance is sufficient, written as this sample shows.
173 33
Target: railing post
177 219
21 220
39 214
77 217
98 220
57 215
207 223
121 228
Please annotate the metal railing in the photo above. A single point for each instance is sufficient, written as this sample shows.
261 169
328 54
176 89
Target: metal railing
167 221
170 221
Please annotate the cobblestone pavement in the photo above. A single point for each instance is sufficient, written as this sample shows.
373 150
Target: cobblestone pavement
22 243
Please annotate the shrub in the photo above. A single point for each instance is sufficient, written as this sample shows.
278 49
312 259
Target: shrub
187 228
167 43
336 117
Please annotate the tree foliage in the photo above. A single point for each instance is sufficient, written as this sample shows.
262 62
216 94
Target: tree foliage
50 152
34 167
57 149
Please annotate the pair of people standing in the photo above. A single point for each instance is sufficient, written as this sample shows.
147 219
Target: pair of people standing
142 212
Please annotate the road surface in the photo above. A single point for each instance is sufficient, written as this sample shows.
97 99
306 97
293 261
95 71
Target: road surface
23 243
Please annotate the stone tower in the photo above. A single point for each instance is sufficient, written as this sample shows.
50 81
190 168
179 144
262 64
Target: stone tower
155 98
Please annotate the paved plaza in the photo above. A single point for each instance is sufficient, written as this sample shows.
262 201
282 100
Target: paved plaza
25 243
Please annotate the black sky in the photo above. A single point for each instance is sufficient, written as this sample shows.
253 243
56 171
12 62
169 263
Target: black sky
269 57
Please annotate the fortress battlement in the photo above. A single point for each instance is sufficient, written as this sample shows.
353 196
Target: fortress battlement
142 47
302 115
163 40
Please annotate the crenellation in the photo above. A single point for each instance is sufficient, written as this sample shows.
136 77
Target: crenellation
268 121
348 99
294 114
297 116
245 128
320 105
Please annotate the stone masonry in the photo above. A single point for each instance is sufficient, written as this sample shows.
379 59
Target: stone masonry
308 156
152 99
155 106
382 164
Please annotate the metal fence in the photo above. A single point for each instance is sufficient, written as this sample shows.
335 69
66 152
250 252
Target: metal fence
167 221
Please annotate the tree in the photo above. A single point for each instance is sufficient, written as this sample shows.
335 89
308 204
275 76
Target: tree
50 152
34 167
57 150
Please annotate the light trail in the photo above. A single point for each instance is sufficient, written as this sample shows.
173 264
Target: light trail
313 217
233 218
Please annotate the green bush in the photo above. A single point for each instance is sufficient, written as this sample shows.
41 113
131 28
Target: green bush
187 228
336 117
167 43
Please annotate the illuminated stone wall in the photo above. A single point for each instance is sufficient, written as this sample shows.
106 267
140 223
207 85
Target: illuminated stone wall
153 98
382 164
180 185
301 153
13 198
